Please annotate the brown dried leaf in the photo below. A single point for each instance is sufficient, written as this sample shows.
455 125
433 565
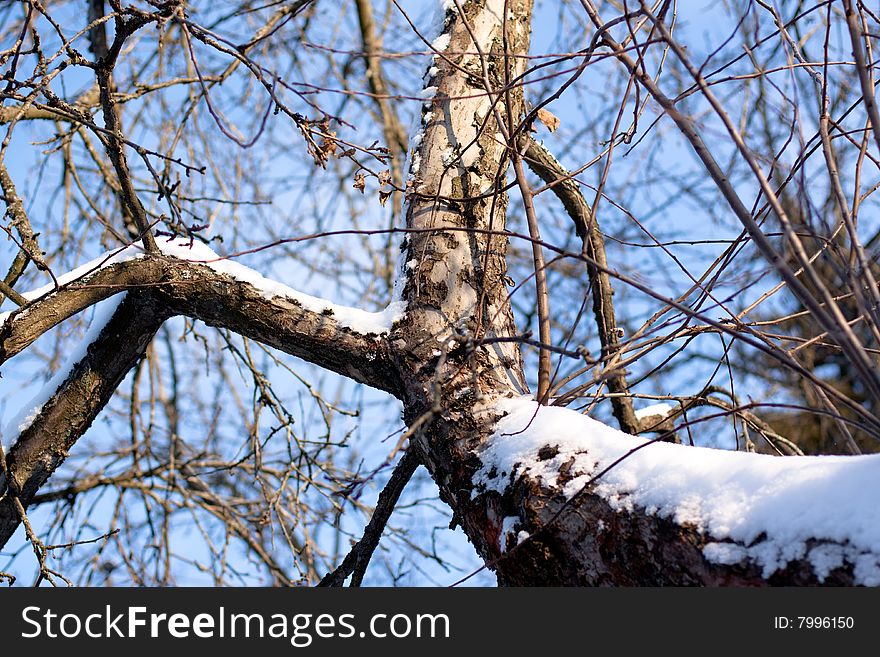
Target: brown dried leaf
385 177
359 180
328 145
550 121
384 196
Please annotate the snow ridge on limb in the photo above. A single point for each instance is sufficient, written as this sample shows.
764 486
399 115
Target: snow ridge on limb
357 320
194 281
50 431
26 415
767 513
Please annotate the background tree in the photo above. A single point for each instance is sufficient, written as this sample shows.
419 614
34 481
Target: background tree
692 224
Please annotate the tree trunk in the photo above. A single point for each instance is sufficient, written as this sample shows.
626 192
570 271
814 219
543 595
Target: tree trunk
457 302
455 259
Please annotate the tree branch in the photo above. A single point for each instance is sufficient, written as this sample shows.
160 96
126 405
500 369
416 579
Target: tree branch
866 79
546 167
824 308
15 297
16 269
395 136
605 506
113 140
44 444
15 208
358 558
200 292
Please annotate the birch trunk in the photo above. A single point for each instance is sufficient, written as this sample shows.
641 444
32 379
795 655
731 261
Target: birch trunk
457 297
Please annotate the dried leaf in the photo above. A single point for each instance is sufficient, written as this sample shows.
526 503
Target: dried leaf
548 119
328 145
359 180
384 196
385 177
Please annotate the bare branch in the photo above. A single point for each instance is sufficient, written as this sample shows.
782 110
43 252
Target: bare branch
866 78
542 162
358 558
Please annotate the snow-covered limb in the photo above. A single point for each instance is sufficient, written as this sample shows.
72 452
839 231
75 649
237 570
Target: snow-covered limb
359 321
81 288
185 280
661 409
196 282
82 390
27 413
756 510
662 515
355 319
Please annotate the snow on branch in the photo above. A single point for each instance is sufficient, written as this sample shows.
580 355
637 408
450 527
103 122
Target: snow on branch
662 409
185 279
359 321
49 428
750 508
196 282
27 413
192 280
